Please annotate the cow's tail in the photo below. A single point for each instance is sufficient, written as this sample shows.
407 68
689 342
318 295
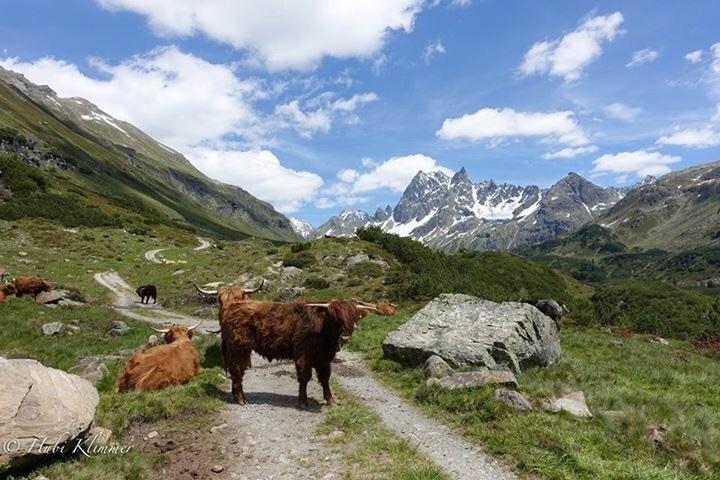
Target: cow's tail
224 351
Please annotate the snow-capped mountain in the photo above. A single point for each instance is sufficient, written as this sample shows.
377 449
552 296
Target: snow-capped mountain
301 227
452 212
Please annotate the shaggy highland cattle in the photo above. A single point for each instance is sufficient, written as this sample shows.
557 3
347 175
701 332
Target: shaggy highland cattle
308 333
30 286
146 292
174 363
6 291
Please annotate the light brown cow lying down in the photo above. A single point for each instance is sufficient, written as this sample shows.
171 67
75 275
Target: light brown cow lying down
6 291
174 363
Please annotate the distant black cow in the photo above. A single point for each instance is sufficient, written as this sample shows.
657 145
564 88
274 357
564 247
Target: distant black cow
146 292
549 307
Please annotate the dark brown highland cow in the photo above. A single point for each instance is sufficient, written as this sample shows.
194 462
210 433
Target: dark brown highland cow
310 334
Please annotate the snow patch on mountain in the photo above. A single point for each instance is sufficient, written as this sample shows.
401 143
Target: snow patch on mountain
301 227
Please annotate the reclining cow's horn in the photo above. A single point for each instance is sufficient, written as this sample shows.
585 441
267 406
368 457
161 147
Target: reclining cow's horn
165 330
205 292
368 307
253 290
193 328
318 305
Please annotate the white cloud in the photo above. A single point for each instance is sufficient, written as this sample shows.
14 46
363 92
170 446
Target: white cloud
282 34
431 50
499 124
715 50
394 174
694 57
260 173
641 57
152 91
568 55
640 162
570 152
308 122
622 111
348 175
696 138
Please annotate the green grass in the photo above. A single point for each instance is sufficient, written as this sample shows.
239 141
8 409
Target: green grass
370 450
638 382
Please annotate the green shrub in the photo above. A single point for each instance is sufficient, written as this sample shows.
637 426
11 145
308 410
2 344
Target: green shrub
365 270
299 247
317 283
425 273
648 306
299 260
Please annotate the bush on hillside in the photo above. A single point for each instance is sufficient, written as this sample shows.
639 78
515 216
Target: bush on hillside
317 283
300 260
299 247
652 307
425 273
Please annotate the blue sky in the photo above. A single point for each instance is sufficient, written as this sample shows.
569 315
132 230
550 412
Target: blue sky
321 105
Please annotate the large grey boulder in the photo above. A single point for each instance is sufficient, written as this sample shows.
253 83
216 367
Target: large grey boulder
40 405
513 399
468 331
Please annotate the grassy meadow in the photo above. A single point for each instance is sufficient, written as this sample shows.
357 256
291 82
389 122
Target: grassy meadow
632 385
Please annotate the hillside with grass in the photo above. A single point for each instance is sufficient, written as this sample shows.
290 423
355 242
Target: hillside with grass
87 158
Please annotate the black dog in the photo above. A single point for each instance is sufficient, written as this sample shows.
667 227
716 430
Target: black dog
146 292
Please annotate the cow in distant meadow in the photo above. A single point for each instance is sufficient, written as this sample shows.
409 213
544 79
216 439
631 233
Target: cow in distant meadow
30 285
146 292
174 363
6 291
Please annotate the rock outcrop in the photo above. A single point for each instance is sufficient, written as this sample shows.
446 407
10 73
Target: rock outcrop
41 405
468 331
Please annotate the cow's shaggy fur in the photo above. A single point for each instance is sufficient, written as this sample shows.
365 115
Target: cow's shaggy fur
311 336
31 286
158 367
6 291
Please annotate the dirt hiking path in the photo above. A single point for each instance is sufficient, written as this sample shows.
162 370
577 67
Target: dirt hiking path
128 304
271 439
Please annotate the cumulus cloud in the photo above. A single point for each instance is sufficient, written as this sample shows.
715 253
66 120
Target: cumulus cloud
570 152
309 122
639 162
151 91
499 124
641 57
621 111
278 33
431 50
694 57
695 138
260 173
394 174
567 56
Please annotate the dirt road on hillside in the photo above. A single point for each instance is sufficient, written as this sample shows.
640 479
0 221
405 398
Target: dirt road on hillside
270 438
128 304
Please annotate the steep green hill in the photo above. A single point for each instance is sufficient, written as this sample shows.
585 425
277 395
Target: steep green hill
84 152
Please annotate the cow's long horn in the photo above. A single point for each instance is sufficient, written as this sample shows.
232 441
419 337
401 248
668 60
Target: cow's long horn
205 292
318 305
193 328
166 330
253 290
368 307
